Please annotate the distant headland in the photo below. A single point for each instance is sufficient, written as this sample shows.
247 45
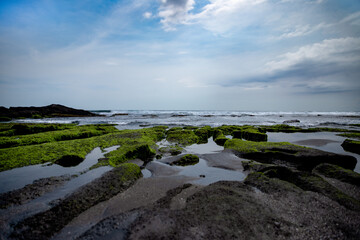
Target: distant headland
53 110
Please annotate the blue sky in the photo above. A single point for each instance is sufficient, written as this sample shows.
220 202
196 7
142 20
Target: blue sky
259 55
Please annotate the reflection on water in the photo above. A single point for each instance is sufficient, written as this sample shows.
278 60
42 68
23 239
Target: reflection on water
19 177
208 175
200 173
209 147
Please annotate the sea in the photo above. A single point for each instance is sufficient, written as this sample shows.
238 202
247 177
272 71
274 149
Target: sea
133 119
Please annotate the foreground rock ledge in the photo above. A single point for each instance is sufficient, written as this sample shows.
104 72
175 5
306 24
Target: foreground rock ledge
262 207
44 225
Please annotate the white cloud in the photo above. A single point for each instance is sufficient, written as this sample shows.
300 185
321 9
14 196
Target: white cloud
147 15
218 16
303 30
173 12
353 18
339 51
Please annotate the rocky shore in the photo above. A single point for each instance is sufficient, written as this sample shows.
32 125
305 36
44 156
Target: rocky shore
289 191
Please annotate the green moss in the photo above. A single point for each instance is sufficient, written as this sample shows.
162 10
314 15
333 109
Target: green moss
228 129
311 182
138 143
78 132
204 133
5 119
36 116
173 150
137 149
129 171
188 159
255 166
250 146
14 129
350 135
183 137
250 133
291 129
342 174
351 146
219 137
285 128
190 127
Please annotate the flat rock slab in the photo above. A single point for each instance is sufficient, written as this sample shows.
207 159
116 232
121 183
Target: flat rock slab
259 208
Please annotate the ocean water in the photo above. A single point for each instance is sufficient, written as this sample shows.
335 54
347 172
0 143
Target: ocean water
132 119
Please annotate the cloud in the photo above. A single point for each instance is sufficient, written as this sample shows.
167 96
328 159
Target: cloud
218 16
328 66
173 12
353 19
147 15
341 51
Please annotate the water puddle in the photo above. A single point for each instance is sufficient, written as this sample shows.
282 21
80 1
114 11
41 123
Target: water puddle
207 175
19 177
209 147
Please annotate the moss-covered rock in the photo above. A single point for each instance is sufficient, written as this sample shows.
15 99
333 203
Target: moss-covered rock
351 146
78 132
311 182
288 154
188 159
203 134
219 137
182 136
172 150
285 128
139 143
350 135
250 133
5 119
255 166
333 171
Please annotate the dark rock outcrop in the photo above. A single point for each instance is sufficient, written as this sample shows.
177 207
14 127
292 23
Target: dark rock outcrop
54 110
278 204
351 146
188 159
288 154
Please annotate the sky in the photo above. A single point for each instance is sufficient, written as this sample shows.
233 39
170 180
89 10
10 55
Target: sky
250 55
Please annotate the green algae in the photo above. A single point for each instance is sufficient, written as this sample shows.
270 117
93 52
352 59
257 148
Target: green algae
79 132
203 133
342 174
140 143
14 129
350 135
311 182
250 133
250 146
219 137
173 150
182 136
186 160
